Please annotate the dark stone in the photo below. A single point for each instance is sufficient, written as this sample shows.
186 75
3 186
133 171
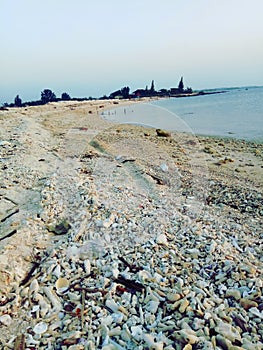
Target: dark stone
61 228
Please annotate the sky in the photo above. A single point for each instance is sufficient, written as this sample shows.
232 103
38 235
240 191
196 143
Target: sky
91 48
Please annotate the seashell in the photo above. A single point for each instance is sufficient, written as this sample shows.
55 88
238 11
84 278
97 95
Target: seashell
109 347
164 167
34 286
37 297
151 296
150 342
125 334
162 239
187 336
194 252
57 271
115 272
118 317
123 310
108 222
248 345
248 268
212 247
107 321
228 331
53 298
179 284
30 341
137 332
5 320
73 296
55 326
254 311
184 304
62 285
176 305
173 297
152 306
87 266
44 307
115 345
93 248
259 283
115 331
235 293
73 252
144 275
40 328
149 318
24 292
35 308
198 324
110 303
223 342
187 347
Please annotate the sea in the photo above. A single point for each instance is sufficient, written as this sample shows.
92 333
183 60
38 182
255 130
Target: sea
234 112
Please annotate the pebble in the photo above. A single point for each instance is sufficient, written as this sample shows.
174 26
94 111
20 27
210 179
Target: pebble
247 303
5 320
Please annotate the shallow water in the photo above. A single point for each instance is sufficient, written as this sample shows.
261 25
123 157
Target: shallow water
237 113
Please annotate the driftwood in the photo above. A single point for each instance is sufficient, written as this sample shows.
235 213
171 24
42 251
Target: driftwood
130 284
20 342
133 268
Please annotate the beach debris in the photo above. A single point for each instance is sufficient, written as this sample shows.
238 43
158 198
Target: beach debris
40 328
128 267
5 320
62 285
209 150
20 342
60 228
163 133
164 167
226 160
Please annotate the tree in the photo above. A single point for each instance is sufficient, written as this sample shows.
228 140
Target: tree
125 92
18 101
152 87
181 85
65 96
47 96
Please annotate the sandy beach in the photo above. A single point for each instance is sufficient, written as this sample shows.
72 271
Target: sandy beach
123 237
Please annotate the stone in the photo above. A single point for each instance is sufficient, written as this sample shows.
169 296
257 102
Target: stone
228 331
235 293
223 342
247 303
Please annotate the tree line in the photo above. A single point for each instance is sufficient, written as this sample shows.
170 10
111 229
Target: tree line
152 92
48 95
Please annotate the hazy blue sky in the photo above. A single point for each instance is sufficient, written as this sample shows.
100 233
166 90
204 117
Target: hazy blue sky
90 48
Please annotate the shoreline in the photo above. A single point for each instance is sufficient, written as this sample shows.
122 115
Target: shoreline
96 215
152 115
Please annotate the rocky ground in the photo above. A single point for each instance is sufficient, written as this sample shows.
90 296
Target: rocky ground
121 237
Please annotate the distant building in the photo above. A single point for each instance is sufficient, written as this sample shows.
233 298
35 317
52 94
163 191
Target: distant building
175 91
141 93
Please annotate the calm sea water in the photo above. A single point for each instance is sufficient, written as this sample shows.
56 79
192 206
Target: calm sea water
237 113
